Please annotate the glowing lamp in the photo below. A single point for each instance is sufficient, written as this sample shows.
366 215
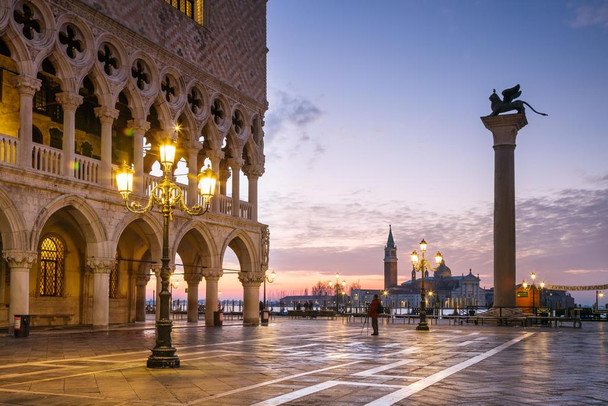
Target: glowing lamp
167 154
524 285
206 183
533 276
423 245
414 257
272 276
124 180
542 284
438 258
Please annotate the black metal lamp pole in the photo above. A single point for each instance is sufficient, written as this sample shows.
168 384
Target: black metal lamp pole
420 265
167 196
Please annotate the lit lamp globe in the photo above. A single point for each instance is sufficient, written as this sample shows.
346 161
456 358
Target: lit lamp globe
124 180
272 275
423 245
206 184
438 258
167 154
414 257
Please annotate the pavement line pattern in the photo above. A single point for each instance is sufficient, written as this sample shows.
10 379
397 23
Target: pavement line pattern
382 368
432 379
279 400
286 378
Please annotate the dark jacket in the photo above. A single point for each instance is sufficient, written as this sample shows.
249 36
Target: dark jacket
373 309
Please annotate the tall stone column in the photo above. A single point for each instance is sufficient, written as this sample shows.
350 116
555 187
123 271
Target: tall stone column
212 276
101 268
251 296
193 280
69 103
253 174
19 263
106 116
140 301
504 130
139 130
27 87
192 176
235 165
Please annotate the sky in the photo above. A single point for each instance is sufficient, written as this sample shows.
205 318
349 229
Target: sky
374 120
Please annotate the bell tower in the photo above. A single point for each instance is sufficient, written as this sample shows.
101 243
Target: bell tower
390 261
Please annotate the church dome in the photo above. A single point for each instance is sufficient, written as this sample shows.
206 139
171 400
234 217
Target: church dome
443 271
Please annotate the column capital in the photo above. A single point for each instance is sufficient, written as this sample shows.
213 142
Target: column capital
193 278
100 265
155 268
504 128
212 273
139 126
20 259
142 279
235 163
251 279
26 84
214 154
253 171
107 114
69 101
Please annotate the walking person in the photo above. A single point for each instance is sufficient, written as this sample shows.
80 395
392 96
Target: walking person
374 311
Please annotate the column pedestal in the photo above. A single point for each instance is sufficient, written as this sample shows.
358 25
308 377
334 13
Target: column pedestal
504 130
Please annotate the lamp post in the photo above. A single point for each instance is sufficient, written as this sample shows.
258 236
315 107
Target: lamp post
167 196
432 302
337 286
269 279
385 294
598 295
420 264
174 283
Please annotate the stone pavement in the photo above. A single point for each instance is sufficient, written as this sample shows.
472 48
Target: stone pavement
311 362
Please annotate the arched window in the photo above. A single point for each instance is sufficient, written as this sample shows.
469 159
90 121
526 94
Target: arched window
113 292
52 254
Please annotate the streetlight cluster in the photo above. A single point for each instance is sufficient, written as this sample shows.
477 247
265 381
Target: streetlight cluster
167 196
421 264
337 285
525 285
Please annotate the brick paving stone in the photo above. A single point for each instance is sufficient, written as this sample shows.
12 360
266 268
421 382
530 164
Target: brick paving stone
290 361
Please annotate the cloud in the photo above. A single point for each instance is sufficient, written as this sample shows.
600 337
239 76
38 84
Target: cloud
290 110
591 13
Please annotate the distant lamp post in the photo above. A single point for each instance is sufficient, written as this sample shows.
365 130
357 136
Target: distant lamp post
533 288
598 295
337 285
268 278
542 295
167 196
432 302
174 283
421 264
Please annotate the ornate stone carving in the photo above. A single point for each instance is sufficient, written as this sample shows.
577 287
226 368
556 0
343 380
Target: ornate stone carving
251 278
69 101
26 84
106 113
210 273
20 259
265 246
139 126
509 103
193 278
142 279
100 265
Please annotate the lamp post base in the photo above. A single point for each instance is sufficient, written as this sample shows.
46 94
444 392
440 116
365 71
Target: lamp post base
163 354
156 361
422 326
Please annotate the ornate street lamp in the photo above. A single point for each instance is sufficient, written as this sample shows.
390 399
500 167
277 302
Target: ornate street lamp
420 264
167 196
269 279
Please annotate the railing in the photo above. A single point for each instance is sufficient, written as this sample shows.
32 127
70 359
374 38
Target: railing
86 169
8 150
46 159
151 181
245 209
225 204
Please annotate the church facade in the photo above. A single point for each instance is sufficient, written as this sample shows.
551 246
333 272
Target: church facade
86 85
448 291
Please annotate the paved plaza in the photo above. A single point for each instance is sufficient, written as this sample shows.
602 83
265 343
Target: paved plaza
310 362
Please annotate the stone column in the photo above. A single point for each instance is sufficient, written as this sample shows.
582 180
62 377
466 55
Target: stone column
69 103
235 165
251 296
100 268
19 263
193 280
504 129
106 116
253 174
139 130
156 269
27 87
215 157
192 176
140 301
212 276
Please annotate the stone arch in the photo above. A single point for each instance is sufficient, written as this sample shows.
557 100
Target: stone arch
200 232
87 219
19 53
12 224
243 247
149 223
136 103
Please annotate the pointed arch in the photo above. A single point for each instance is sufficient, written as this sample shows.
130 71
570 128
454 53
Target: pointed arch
12 224
243 247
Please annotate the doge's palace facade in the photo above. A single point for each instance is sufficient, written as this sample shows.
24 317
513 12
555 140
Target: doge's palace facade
89 84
